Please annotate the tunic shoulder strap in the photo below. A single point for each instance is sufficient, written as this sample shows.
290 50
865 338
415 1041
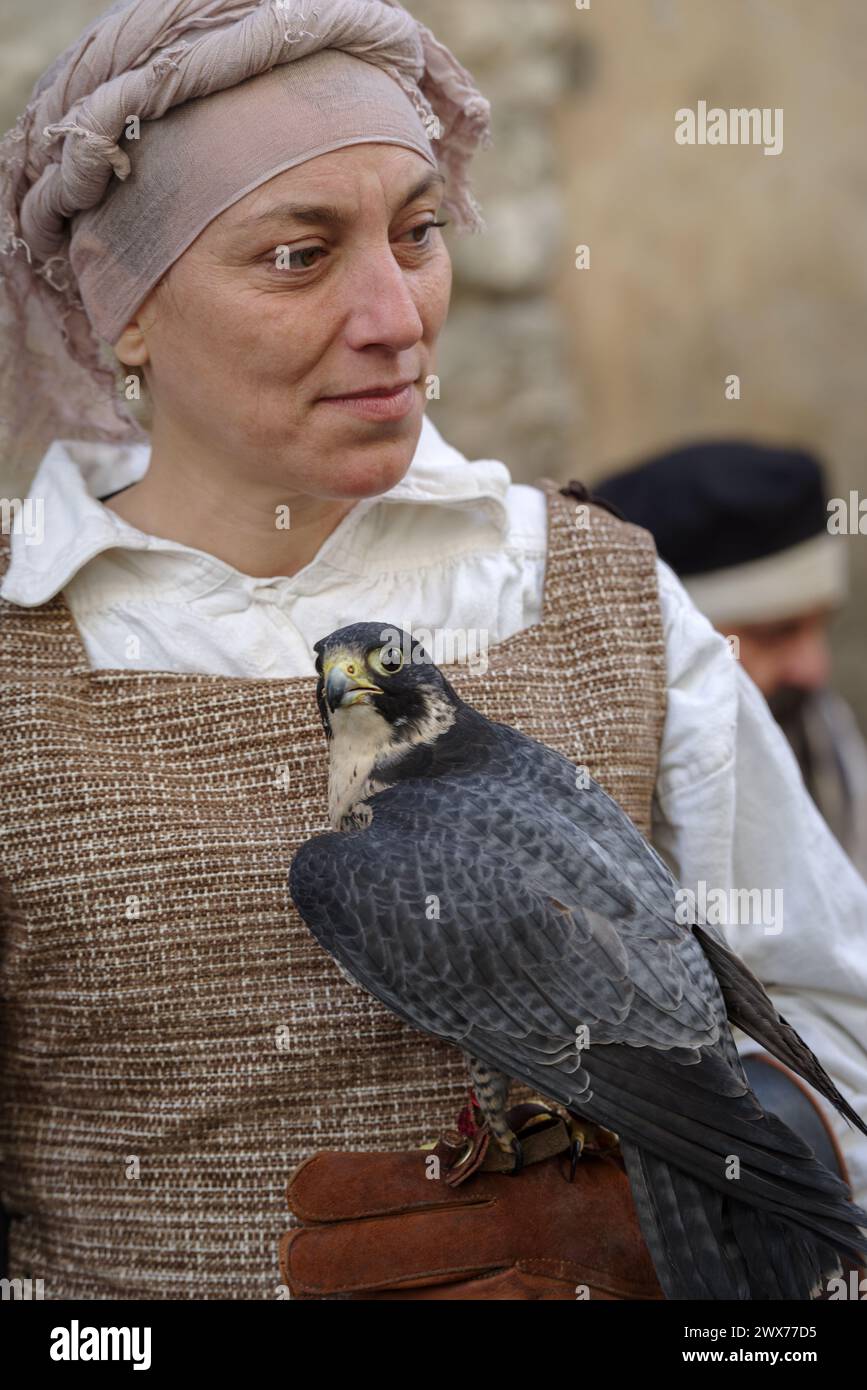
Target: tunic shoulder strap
601 598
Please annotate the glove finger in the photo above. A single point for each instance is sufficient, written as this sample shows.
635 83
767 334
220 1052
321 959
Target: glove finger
554 1281
503 1284
347 1186
390 1251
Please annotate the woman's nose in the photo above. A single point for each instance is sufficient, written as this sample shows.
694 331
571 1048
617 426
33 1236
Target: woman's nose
381 302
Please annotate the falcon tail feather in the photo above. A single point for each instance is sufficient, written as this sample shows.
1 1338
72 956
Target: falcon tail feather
705 1244
751 1009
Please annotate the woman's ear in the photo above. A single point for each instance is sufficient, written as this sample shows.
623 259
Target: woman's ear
131 348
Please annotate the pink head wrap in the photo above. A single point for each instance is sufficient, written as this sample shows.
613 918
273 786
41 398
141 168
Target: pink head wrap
95 207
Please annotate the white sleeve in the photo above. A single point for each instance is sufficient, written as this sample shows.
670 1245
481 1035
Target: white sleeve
731 812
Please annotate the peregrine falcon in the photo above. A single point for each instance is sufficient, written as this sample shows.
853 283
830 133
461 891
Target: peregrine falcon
492 898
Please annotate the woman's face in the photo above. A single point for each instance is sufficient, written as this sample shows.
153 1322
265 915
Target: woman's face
243 344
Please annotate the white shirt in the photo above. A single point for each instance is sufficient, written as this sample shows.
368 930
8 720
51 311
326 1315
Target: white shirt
456 545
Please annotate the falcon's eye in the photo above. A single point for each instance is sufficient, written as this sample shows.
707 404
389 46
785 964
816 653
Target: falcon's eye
386 660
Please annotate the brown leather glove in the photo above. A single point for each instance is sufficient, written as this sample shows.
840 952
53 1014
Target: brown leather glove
376 1227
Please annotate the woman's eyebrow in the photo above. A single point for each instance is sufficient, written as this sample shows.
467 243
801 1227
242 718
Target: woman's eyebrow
327 213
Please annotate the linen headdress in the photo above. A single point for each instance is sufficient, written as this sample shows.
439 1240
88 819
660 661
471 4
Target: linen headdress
159 116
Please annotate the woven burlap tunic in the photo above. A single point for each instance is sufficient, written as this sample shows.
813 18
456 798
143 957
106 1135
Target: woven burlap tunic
173 1040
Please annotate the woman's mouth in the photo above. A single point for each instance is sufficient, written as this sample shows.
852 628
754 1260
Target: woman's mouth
378 405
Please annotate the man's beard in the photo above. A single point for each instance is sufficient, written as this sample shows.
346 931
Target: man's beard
787 705
787 702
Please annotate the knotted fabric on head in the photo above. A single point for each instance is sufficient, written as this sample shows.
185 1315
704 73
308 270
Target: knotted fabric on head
161 115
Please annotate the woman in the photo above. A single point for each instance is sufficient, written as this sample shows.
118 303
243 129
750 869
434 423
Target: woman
263 245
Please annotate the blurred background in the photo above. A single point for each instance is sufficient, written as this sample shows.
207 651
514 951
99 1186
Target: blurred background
705 261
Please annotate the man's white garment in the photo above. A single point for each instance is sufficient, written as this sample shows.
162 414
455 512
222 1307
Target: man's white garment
456 546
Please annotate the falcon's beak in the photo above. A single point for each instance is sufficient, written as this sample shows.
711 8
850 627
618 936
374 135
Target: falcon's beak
344 683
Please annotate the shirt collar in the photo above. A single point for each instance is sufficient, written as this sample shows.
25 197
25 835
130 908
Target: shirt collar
62 524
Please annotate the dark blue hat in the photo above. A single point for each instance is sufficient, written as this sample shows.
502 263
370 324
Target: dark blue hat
715 505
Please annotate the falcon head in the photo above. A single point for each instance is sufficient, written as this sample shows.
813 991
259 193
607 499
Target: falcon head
377 668
380 696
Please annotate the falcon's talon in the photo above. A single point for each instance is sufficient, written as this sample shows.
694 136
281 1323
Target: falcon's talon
577 1143
576 1148
518 1151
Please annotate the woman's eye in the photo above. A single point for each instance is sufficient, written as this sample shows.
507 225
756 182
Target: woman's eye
287 257
425 227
